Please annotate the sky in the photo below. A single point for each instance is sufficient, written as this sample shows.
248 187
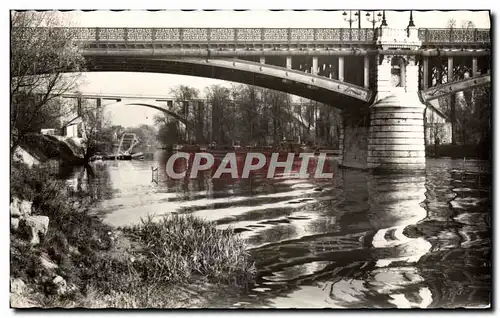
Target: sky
160 84
261 18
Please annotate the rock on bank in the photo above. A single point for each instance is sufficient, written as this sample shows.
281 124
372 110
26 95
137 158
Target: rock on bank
38 148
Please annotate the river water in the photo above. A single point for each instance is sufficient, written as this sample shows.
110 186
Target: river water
358 240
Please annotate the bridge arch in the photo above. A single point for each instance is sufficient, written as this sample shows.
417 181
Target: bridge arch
159 107
325 90
184 121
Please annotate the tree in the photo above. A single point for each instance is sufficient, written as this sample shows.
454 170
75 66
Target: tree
248 109
146 135
97 128
168 130
467 24
279 108
41 55
451 23
185 97
219 100
306 116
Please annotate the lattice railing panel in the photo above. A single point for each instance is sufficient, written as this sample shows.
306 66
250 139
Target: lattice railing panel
111 34
302 34
248 34
279 35
221 34
195 35
167 34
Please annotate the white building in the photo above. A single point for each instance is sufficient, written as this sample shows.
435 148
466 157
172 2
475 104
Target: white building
74 128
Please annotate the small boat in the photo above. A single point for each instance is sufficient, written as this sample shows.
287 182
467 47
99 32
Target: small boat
96 157
117 157
187 148
138 156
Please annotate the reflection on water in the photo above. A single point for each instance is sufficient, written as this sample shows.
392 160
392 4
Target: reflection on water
358 240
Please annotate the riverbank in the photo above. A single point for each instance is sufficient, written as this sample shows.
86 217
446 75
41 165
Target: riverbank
482 151
62 255
39 149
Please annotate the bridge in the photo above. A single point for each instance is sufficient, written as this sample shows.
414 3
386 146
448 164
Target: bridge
383 79
151 101
163 103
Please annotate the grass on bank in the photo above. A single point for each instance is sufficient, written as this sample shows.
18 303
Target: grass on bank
178 247
142 266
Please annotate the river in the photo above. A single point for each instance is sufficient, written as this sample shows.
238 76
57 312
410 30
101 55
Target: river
358 240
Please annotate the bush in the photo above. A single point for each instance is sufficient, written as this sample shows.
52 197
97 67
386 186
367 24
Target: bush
178 248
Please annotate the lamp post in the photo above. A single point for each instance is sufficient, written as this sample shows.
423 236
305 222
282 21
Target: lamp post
351 19
411 24
375 19
384 22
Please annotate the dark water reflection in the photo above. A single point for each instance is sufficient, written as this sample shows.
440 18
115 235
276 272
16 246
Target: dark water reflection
358 240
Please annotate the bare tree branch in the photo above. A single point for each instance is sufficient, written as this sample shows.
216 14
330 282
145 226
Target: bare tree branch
42 55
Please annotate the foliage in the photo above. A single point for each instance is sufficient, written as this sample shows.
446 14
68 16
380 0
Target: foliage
97 126
71 228
146 135
40 57
248 115
472 115
219 98
169 132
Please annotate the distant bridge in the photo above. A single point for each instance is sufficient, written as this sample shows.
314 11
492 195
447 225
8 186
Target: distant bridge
153 101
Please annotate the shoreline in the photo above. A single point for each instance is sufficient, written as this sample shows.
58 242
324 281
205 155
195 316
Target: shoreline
64 255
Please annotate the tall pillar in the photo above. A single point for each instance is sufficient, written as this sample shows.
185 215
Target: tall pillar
474 66
396 133
79 110
450 69
412 85
99 114
314 69
402 67
341 140
289 62
384 76
341 68
451 101
366 72
262 60
425 72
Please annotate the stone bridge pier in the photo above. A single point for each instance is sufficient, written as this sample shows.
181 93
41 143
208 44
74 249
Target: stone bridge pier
396 136
355 126
389 135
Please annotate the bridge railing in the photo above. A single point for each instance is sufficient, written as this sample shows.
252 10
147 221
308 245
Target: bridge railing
454 35
264 35
222 35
